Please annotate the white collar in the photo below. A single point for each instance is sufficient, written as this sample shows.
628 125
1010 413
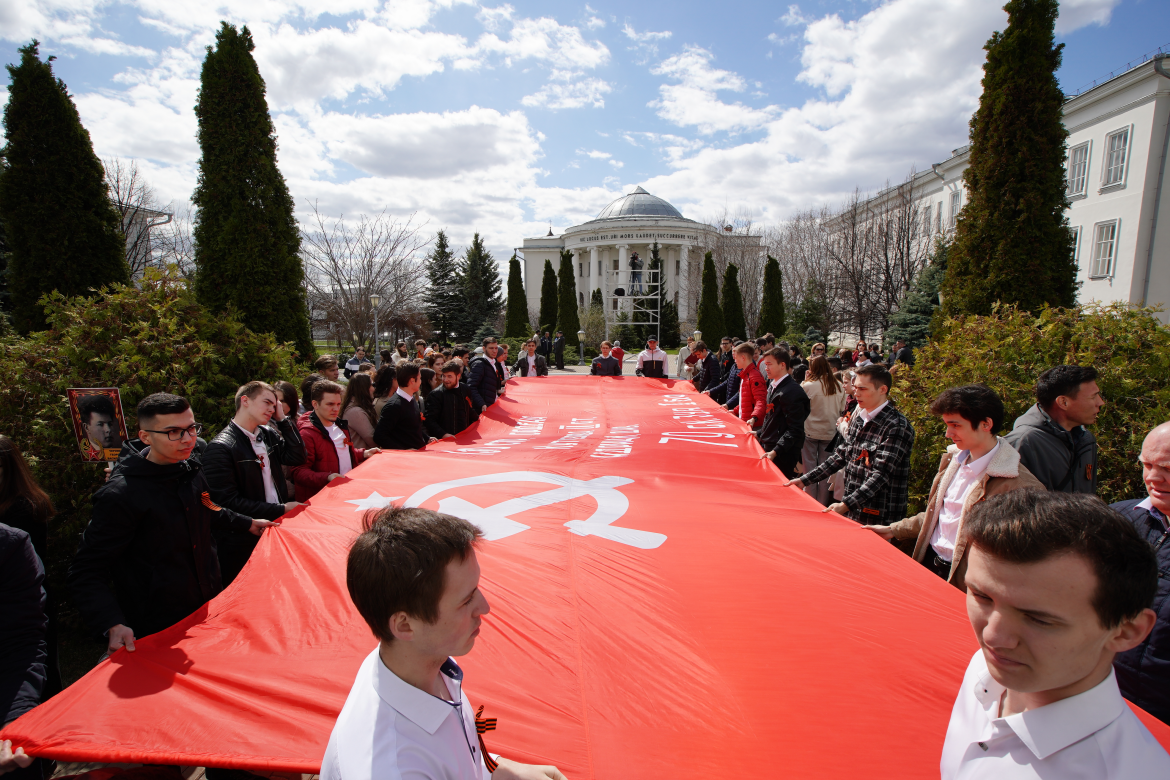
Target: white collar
424 710
1053 727
867 416
979 465
406 396
776 382
251 436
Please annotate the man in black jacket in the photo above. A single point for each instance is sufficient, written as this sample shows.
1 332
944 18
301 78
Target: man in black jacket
558 346
530 363
1143 673
707 369
782 432
606 364
545 346
450 407
243 468
23 645
150 532
486 375
400 426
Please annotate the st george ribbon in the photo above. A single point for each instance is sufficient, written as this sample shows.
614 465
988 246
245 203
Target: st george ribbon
661 607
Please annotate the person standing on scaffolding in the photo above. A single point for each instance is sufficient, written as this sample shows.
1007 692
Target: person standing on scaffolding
635 274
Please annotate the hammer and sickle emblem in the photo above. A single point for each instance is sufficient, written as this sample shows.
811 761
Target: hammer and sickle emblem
496 523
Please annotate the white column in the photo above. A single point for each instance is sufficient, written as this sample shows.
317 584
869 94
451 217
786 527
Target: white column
684 312
619 279
593 269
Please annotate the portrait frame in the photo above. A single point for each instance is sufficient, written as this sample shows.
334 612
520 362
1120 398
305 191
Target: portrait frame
88 401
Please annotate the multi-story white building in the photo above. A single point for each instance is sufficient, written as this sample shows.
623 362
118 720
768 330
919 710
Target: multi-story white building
1117 149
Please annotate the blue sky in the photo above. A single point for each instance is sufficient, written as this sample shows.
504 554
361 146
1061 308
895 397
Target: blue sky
505 118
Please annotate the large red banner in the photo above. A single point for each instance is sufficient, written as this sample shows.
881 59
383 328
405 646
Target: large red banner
661 607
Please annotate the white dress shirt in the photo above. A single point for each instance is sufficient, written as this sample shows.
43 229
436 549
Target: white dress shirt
344 462
388 729
1091 736
262 456
776 382
531 364
946 531
867 416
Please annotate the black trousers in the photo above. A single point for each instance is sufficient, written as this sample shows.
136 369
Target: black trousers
936 564
561 360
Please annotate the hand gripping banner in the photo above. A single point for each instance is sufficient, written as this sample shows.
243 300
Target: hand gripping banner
661 608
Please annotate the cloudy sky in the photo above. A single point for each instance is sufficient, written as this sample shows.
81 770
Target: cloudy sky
507 118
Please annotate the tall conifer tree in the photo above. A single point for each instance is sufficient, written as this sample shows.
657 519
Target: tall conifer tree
61 229
444 296
710 319
481 285
732 304
772 318
516 323
548 299
670 333
912 322
247 241
567 318
1012 240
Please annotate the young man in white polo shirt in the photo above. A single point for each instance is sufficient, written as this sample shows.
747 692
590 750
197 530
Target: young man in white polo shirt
1057 585
414 577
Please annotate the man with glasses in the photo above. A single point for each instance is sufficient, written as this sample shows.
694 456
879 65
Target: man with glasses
1143 673
150 532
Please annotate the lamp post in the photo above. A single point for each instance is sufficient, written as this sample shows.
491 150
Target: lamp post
581 345
698 335
375 301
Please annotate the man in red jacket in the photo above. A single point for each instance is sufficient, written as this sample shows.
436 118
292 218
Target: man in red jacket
753 390
329 453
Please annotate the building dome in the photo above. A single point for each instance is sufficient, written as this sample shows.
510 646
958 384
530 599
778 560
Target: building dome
639 203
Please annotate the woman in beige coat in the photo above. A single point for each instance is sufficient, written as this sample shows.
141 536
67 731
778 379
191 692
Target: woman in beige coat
826 403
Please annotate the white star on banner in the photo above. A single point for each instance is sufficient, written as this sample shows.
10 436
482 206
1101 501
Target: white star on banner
373 501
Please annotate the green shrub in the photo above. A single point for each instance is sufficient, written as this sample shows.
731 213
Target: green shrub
143 341
1010 348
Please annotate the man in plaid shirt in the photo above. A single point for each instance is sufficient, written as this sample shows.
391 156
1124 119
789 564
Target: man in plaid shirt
875 455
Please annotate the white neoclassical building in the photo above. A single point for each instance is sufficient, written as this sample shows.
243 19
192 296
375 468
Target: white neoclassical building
602 248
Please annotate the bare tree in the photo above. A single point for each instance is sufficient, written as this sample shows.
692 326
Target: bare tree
735 240
346 263
140 212
174 241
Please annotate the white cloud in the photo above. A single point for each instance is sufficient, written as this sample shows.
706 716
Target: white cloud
594 23
794 18
1075 14
694 100
898 86
645 43
107 46
642 37
563 92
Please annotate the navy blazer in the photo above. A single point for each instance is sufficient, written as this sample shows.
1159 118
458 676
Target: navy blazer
1143 673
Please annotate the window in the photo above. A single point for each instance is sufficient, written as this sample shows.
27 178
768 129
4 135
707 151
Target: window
580 269
581 300
1076 233
677 267
926 217
938 218
1078 169
599 268
615 264
1104 249
1116 145
956 204
615 304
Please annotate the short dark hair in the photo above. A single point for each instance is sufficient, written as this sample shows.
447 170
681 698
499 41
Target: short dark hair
399 562
746 348
452 367
386 355
780 356
974 403
405 372
89 405
384 380
1030 525
156 404
761 342
253 389
324 362
420 341
326 387
460 352
878 373
530 341
700 346
307 389
488 340
1062 380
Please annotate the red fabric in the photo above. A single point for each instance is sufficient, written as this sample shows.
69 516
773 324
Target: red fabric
761 638
753 395
320 460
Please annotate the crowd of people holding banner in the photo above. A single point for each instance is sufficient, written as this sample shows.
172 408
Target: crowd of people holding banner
1067 596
